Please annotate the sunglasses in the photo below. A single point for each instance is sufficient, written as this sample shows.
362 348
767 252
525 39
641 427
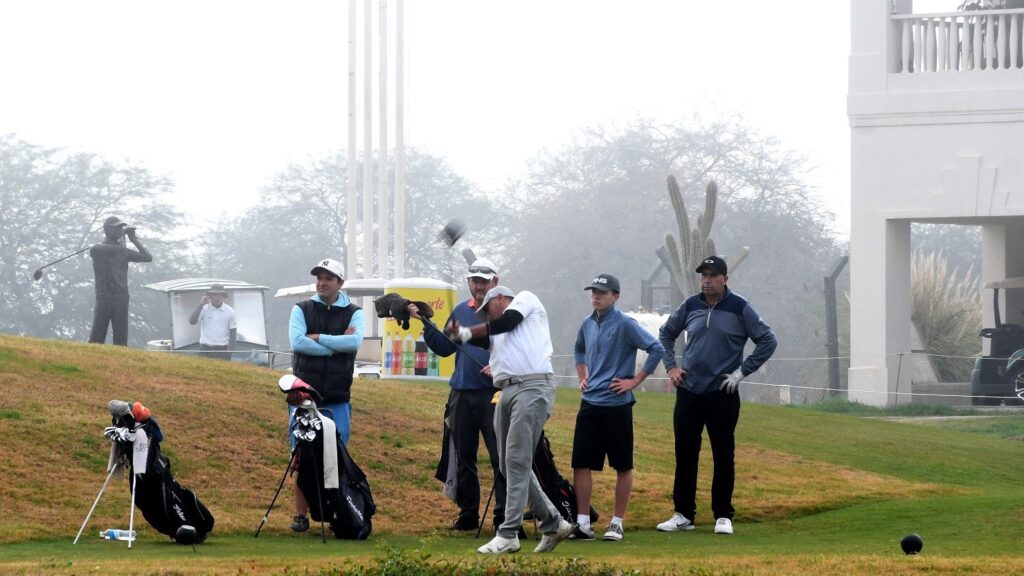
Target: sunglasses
481 270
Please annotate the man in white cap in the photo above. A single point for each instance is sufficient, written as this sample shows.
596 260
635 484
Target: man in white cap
517 332
218 327
325 333
469 412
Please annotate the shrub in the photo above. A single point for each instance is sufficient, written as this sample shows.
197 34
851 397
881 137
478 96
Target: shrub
946 308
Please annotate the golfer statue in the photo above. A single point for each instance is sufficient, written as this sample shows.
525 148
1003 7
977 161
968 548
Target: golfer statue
110 260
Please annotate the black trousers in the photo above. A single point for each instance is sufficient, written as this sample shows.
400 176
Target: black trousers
471 415
718 412
112 310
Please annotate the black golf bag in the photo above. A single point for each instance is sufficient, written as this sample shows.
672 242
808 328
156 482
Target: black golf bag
347 508
556 488
164 503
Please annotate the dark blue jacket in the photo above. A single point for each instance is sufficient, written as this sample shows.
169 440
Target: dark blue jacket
716 336
467 374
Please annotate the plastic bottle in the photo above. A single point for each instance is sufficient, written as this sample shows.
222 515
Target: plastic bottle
115 534
386 345
408 355
433 364
396 355
420 366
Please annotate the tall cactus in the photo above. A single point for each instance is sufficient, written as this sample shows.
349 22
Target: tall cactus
695 244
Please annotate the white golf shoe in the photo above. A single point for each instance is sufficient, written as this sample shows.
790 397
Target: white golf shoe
549 541
723 526
500 545
676 523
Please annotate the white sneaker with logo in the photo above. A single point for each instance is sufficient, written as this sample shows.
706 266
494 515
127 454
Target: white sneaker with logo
614 533
549 541
500 545
676 523
723 526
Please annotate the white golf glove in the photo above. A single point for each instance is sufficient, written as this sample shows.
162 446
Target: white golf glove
731 381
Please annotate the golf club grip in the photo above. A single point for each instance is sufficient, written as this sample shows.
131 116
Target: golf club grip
453 341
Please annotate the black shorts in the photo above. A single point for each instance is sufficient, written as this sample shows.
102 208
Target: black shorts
602 430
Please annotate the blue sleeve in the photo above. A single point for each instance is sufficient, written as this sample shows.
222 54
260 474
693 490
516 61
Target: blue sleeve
580 350
668 333
436 341
763 337
346 342
643 340
297 336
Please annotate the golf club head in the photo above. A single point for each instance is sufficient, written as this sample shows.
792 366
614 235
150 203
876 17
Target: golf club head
452 231
37 274
911 544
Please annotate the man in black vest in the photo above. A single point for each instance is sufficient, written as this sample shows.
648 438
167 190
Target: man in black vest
325 333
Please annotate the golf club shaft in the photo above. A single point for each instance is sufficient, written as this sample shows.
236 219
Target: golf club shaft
65 258
450 339
486 508
97 501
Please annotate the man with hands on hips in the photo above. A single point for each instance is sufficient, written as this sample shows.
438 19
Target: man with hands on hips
718 323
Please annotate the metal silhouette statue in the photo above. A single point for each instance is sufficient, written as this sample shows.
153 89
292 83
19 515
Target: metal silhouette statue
110 260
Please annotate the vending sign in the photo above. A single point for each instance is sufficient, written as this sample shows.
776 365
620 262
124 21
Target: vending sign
404 353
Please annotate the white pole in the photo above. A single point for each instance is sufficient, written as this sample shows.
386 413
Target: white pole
382 171
368 139
400 139
351 199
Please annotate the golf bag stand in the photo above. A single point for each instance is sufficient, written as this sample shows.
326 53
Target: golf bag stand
113 468
266 516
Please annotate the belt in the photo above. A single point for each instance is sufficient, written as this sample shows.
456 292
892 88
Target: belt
501 383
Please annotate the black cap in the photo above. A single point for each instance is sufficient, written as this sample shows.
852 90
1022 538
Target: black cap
715 263
604 283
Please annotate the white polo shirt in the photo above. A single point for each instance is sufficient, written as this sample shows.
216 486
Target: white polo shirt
527 348
215 325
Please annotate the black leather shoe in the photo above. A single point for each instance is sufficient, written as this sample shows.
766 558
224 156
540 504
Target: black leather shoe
465 523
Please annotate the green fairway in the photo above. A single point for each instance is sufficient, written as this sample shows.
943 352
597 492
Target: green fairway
816 492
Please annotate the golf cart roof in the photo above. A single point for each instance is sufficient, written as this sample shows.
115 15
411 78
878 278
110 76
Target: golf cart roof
201 285
356 288
1007 283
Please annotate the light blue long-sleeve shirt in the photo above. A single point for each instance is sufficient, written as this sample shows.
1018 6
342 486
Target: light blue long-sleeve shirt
329 343
607 345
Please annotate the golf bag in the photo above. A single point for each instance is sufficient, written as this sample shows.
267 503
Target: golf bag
556 488
165 504
349 507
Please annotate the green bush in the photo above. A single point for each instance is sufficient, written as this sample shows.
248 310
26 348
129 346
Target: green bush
413 563
946 308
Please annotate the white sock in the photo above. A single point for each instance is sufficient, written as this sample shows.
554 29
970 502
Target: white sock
616 520
583 520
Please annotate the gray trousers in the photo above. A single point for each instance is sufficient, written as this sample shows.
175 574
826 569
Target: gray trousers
518 422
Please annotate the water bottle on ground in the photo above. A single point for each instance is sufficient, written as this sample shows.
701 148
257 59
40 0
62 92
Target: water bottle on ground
115 534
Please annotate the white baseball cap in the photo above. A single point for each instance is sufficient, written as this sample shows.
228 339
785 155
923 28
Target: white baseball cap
493 293
482 268
329 265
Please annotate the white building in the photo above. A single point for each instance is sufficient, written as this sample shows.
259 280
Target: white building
936 108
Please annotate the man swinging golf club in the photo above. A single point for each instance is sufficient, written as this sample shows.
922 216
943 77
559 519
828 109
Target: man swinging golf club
469 411
516 330
110 260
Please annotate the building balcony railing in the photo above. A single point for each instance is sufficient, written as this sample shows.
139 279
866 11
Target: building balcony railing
978 41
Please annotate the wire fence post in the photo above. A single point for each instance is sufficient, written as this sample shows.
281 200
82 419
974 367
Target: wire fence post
832 327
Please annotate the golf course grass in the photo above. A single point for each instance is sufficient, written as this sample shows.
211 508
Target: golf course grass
816 492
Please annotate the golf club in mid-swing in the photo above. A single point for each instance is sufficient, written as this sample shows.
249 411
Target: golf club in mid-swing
39 271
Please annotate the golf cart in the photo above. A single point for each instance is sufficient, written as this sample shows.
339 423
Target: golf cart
996 374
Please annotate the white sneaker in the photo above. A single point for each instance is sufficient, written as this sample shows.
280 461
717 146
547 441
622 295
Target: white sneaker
723 526
614 533
549 541
676 523
500 545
